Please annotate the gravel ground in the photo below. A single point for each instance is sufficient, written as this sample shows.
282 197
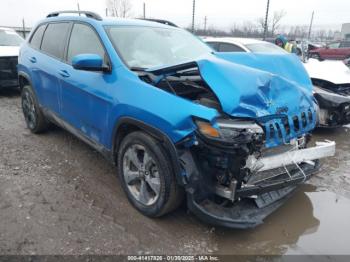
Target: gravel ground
59 196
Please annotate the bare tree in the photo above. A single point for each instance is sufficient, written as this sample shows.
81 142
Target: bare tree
261 24
119 8
276 19
273 24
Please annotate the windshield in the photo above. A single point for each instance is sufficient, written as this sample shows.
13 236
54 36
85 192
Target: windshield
9 38
145 47
265 48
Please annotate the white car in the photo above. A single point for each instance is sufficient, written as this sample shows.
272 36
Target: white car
10 42
331 79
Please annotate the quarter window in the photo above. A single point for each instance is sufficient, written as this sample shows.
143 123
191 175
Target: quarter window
229 48
37 37
345 45
334 45
54 39
84 40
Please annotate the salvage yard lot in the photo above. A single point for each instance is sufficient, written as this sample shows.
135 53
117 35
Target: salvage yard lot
59 196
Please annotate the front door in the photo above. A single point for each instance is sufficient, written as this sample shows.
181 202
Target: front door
85 95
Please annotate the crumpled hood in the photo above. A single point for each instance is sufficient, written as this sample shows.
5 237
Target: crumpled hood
335 72
273 89
257 85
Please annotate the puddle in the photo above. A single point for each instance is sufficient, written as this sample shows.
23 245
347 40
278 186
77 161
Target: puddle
310 223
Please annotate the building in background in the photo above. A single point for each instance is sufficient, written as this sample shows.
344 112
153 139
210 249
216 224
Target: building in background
345 31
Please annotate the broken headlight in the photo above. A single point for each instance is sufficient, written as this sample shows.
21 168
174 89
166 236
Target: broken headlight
227 129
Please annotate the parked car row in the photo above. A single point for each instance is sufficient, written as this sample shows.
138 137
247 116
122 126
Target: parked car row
227 131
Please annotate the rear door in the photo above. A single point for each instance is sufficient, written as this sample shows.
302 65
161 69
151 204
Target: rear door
344 50
48 62
85 95
332 51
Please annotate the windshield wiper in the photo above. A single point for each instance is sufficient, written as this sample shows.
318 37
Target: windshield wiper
136 68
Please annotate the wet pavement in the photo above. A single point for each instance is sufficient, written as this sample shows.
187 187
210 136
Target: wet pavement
59 196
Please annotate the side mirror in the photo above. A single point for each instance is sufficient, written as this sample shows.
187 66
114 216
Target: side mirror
89 62
327 46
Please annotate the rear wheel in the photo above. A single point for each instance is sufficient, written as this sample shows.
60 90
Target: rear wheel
147 176
33 115
316 56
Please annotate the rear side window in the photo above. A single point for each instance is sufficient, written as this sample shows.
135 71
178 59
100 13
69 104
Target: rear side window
37 36
214 45
54 39
345 45
229 48
334 45
84 40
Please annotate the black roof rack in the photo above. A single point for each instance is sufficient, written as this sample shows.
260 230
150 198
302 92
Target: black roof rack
161 21
86 13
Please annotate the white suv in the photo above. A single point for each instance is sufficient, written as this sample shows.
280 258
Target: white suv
9 49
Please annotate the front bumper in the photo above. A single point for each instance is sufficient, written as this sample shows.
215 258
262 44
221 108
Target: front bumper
8 72
263 194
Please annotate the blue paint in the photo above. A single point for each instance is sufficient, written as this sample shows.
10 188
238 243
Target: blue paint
266 88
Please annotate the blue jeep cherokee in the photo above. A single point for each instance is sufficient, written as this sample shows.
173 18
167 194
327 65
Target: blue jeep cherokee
228 132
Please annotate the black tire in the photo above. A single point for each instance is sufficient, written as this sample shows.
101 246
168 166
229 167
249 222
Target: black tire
170 194
316 56
33 115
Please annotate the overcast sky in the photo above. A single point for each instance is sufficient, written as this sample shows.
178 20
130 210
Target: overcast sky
221 13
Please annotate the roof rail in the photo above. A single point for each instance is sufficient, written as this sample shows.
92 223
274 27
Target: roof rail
86 13
161 21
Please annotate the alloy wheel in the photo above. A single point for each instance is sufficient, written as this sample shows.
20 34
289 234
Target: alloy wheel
141 174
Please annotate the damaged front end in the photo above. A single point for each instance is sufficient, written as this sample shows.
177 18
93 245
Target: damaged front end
238 182
334 103
240 166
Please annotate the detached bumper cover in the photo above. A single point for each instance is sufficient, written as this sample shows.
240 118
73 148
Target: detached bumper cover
258 200
321 150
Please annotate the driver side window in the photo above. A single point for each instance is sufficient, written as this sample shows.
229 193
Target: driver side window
84 40
334 45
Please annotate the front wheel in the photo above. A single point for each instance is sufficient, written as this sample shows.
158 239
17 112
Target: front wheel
147 175
316 56
33 115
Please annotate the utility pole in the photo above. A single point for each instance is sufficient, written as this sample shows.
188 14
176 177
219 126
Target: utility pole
193 14
78 6
106 12
205 23
310 27
144 10
24 28
266 19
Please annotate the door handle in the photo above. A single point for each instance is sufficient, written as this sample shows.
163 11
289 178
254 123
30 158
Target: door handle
64 73
32 59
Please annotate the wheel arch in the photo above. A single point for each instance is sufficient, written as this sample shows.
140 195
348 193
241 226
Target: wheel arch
126 125
24 79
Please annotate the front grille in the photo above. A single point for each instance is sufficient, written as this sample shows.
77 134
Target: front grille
8 68
281 129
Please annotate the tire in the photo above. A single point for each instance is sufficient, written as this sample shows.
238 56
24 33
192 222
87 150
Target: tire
316 56
147 176
33 115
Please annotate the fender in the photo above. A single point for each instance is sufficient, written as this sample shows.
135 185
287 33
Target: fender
26 76
155 133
